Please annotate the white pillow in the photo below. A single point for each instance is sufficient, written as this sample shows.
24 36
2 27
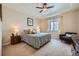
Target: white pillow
68 35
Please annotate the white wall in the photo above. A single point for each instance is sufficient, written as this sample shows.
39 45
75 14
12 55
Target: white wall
13 18
78 21
0 37
70 21
43 25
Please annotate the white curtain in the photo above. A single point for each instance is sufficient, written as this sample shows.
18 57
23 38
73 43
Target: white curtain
61 24
53 24
59 28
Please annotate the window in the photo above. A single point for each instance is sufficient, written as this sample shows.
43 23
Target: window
54 25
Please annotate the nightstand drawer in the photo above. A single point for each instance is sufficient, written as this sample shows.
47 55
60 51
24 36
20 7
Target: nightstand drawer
15 39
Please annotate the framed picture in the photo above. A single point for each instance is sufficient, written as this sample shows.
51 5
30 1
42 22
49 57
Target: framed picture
29 21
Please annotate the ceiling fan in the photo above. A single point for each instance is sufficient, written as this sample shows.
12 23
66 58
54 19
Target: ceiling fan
44 7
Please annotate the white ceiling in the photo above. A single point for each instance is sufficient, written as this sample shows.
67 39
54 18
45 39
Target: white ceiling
30 8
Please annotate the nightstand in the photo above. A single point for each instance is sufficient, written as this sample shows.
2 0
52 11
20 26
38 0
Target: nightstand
15 39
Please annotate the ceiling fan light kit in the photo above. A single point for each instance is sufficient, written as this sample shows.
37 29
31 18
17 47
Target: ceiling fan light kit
44 9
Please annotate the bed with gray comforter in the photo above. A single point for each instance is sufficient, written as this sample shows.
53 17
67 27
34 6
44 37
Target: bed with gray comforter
36 40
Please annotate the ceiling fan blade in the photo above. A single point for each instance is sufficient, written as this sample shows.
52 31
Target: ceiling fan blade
50 7
40 7
41 11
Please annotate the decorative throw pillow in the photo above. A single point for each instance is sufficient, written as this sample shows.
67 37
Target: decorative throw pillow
68 35
34 31
29 31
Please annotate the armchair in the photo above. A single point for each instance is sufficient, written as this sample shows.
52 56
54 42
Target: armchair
67 37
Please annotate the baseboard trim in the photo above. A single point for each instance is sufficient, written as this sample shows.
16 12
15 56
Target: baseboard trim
6 43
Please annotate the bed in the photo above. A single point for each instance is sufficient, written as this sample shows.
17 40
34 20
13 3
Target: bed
36 40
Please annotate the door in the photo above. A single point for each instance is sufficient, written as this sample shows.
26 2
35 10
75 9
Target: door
0 29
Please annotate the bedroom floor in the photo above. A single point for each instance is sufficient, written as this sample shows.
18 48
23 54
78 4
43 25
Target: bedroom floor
53 48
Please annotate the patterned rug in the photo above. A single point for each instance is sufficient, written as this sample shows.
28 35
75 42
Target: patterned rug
54 48
74 53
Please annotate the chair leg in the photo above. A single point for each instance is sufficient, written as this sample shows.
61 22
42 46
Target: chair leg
74 45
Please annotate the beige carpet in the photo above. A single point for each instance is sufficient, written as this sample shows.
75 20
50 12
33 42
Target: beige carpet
21 49
53 48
